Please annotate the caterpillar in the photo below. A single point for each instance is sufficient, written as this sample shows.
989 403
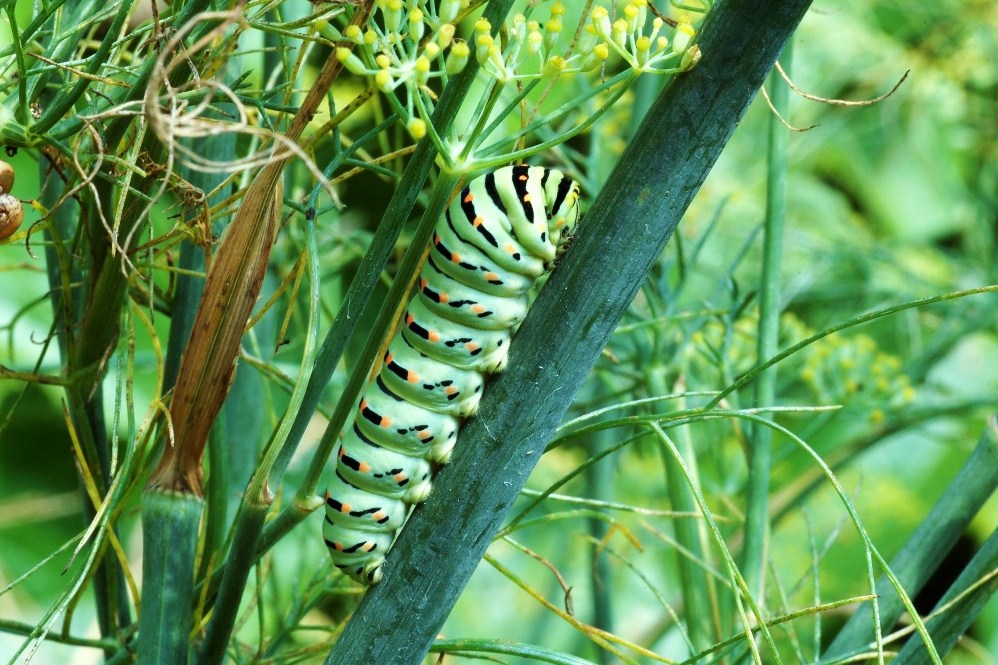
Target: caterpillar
501 233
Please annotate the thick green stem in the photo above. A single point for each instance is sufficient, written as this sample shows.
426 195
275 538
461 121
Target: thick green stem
169 544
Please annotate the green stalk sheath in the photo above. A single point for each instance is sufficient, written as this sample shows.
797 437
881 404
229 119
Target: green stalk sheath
925 550
169 543
760 447
621 239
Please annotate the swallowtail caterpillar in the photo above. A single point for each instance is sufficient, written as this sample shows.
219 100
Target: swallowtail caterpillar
496 239
11 212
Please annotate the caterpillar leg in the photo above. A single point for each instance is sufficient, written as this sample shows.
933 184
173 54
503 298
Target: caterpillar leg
359 554
359 527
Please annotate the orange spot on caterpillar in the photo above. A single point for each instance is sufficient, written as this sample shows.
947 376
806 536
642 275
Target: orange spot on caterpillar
386 421
469 198
444 298
378 516
450 390
526 198
409 318
363 467
455 257
389 358
477 309
492 277
522 178
368 546
471 346
412 377
344 507
434 336
400 477
510 249
338 547
478 221
423 283
423 436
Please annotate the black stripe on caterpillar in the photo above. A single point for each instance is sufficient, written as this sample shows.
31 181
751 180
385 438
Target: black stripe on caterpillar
502 232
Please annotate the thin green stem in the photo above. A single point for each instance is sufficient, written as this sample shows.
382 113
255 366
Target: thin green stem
760 441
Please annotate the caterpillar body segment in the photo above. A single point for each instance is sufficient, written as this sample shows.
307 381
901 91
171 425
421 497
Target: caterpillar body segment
411 429
453 343
416 377
446 296
500 234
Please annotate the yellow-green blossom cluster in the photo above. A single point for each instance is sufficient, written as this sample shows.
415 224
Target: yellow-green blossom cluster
842 369
839 369
642 44
531 47
408 43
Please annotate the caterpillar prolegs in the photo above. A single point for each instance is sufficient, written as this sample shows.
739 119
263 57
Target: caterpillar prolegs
502 232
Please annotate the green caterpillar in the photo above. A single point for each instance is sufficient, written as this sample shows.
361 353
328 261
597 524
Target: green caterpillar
494 241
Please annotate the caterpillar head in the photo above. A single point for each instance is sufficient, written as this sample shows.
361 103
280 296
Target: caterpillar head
562 196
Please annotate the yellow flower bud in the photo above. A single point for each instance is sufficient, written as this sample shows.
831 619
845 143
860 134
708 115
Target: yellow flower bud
353 33
619 33
631 17
445 34
601 22
350 61
422 70
417 128
416 25
534 41
684 35
552 31
393 15
457 58
383 61
431 50
554 66
384 80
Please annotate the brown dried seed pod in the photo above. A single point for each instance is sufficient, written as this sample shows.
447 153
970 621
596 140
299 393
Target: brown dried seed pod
11 215
6 177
